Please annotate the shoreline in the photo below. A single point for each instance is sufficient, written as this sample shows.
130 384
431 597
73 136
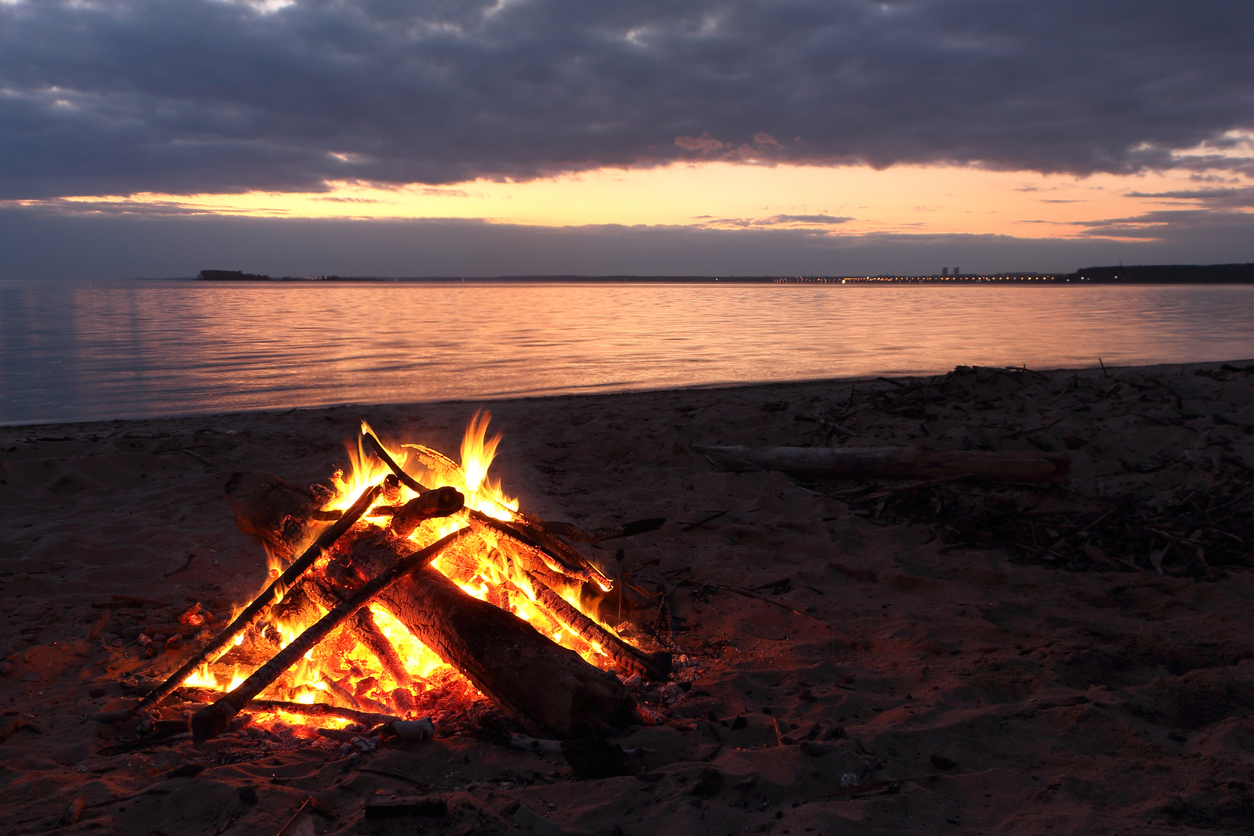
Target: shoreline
490 401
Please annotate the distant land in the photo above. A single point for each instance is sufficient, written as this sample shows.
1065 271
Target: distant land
1135 274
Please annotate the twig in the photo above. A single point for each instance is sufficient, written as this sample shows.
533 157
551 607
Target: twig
196 456
699 523
322 709
655 666
406 480
190 557
104 619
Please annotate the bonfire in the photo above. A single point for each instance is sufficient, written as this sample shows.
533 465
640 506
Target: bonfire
409 585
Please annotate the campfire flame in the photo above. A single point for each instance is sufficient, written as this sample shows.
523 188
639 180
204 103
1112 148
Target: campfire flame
341 671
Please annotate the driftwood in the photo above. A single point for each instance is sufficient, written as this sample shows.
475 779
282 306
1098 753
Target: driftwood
893 463
210 721
508 660
273 510
250 613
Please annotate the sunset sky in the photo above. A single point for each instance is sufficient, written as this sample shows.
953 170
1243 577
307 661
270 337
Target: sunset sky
410 138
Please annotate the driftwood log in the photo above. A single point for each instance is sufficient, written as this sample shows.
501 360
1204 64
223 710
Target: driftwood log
893 463
509 661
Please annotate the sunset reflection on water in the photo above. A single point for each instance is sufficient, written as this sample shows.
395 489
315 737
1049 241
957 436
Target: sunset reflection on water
73 352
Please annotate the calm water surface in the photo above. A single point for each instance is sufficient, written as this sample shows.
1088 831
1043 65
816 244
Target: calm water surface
71 352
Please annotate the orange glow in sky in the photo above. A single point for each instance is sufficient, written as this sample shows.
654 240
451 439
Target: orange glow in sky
901 199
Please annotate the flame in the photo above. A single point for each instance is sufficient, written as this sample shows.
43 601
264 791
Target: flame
341 671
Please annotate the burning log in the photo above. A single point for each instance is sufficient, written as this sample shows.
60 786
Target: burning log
508 660
894 462
210 721
250 613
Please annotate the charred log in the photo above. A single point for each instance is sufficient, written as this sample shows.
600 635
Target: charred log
508 660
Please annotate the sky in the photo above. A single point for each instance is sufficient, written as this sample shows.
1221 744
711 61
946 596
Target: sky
652 137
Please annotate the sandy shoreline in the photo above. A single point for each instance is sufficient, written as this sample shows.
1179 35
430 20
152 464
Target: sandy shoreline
1009 684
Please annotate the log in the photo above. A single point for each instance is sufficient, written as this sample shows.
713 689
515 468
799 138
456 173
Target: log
523 671
894 462
273 510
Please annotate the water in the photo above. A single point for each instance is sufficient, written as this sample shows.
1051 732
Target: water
144 349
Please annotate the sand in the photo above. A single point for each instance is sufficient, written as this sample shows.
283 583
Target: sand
896 676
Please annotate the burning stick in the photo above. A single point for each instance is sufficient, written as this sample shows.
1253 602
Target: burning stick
655 666
284 581
380 451
210 721
519 540
321 709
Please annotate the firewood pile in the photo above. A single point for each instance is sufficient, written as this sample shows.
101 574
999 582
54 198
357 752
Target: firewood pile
389 596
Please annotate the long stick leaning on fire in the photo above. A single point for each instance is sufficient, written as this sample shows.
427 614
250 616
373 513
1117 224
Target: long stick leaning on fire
250 613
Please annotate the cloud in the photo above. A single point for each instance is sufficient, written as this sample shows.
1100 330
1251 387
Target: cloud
1228 198
127 96
1177 226
775 221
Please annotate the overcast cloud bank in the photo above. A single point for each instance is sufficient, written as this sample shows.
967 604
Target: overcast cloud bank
123 96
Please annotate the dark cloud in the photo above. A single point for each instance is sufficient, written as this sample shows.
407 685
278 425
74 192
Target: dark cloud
121 96
1227 198
1171 226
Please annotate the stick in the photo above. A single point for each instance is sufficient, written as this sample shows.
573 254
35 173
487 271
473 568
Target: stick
655 666
250 613
379 450
480 520
366 631
322 709
211 720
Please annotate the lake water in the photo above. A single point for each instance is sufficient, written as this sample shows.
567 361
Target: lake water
74 352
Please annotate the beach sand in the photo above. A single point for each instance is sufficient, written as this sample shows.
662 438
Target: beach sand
906 643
